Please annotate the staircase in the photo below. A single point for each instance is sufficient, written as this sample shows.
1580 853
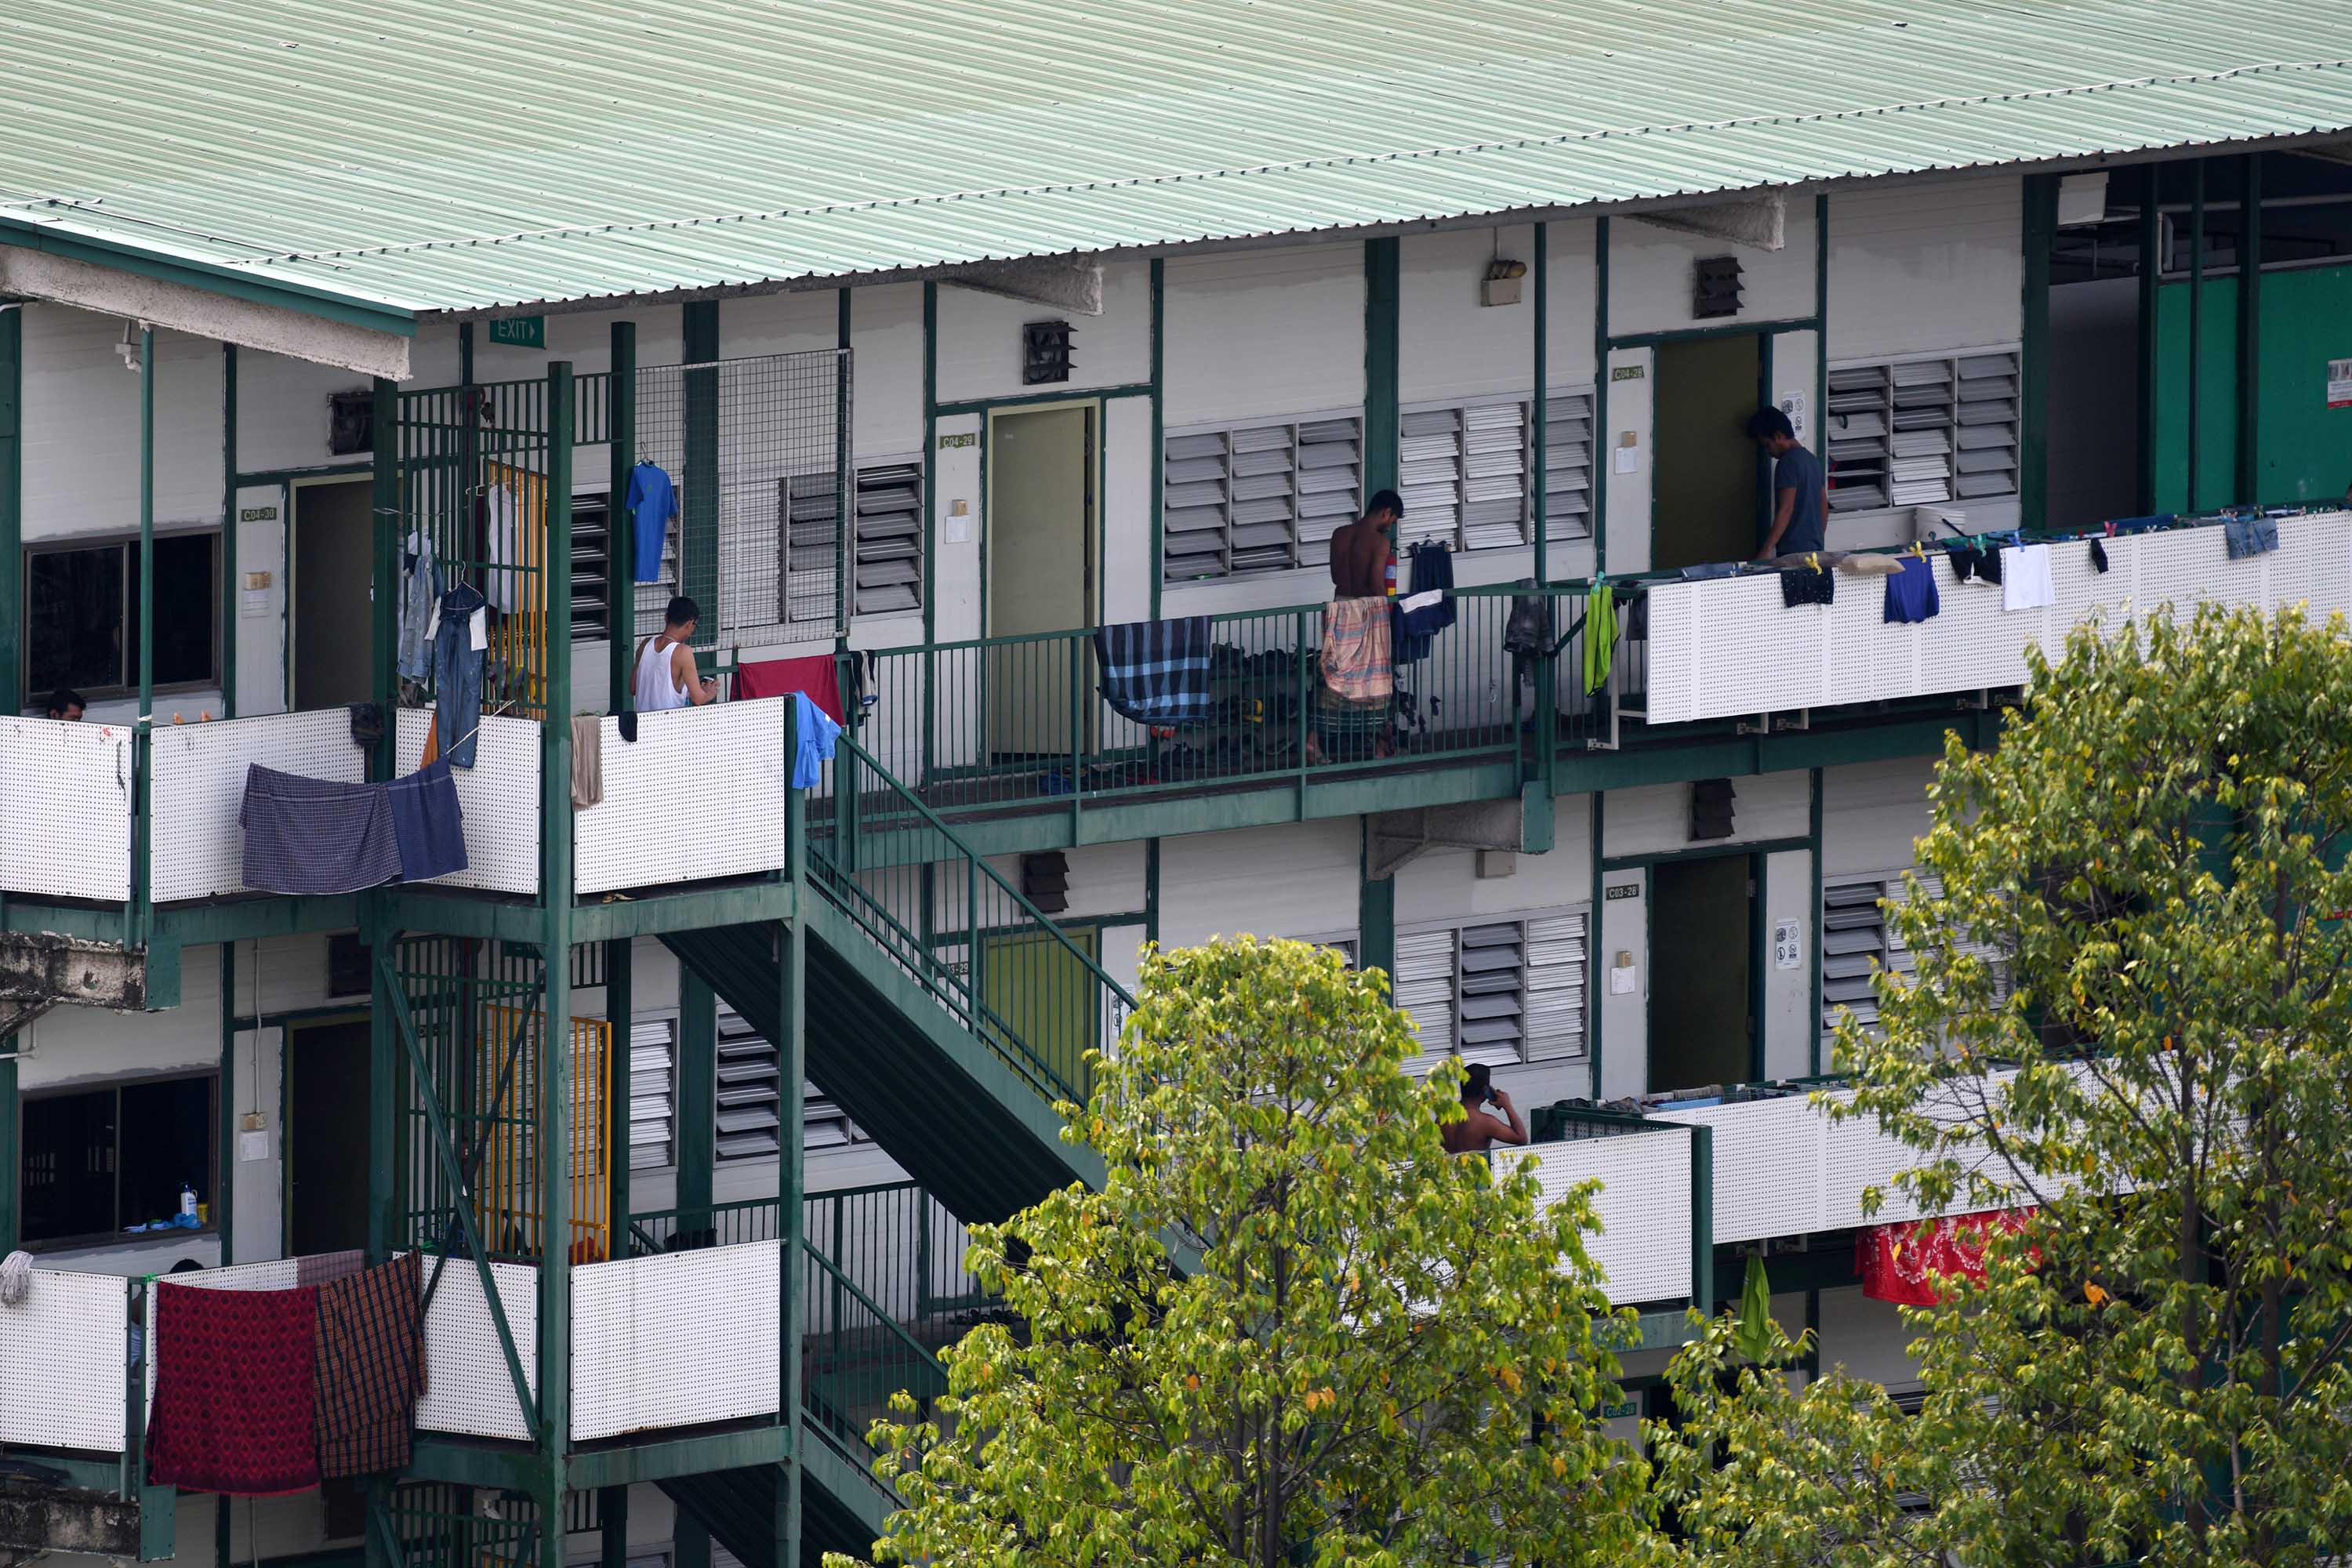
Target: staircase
946 1013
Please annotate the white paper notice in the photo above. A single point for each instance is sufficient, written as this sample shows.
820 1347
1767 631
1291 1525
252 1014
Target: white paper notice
1621 981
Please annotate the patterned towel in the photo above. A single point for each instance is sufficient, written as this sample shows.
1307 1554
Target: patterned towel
315 835
1155 672
1356 663
234 1405
371 1369
319 1268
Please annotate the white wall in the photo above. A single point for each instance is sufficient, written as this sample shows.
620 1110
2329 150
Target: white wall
1788 895
1871 813
1934 264
1299 881
1263 333
1449 345
1868 1338
1656 819
1652 274
980 338
1632 413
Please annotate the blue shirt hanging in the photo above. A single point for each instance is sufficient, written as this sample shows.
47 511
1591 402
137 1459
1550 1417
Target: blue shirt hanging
813 733
652 502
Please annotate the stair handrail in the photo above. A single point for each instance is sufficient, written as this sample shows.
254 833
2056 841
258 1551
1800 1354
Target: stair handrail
930 818
897 1330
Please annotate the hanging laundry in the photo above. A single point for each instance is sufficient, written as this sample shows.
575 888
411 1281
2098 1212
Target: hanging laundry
314 836
1357 663
1911 593
318 1268
2025 577
1807 585
458 641
427 825
1427 608
1599 635
1974 561
420 594
1904 1263
627 724
813 733
367 722
652 502
1157 672
1871 565
587 761
2252 536
234 1397
370 1366
501 584
819 674
2098 558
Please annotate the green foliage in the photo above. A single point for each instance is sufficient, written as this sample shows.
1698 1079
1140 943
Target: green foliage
1378 1353
2154 1367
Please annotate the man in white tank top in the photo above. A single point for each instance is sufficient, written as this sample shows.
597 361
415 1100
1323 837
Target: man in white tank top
666 676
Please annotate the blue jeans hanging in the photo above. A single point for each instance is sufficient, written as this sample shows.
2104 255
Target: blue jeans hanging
457 674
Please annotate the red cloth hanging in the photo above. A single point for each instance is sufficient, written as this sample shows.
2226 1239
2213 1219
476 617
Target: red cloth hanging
1903 1263
782 676
234 1401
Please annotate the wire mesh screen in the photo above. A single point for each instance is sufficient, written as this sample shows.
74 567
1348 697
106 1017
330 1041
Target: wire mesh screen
750 445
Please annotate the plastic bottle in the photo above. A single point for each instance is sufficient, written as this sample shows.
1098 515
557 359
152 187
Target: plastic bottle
187 1200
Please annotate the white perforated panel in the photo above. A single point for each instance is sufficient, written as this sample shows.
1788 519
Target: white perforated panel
62 1353
1644 1207
1768 1166
699 793
675 1339
499 797
66 789
200 783
468 1388
1728 647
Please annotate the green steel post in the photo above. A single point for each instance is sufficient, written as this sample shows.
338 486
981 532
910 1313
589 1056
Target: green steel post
2151 275
2033 446
1383 265
224 1193
620 523
1539 410
792 1183
1151 891
1076 653
227 611
1592 955
2196 323
11 1163
930 537
845 474
384 1088
386 504
1820 325
1601 437
1701 1199
1306 698
143 907
690 1544
697 1098
2250 331
1813 826
698 545
1159 427
466 353
1375 913
613 1525
620 1004
555 1109
12 673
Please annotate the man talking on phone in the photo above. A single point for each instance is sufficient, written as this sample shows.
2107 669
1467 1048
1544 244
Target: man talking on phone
1481 1129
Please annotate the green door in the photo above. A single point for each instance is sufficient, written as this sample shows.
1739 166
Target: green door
1041 993
1702 500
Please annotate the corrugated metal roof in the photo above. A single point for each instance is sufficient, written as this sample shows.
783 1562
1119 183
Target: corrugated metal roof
437 156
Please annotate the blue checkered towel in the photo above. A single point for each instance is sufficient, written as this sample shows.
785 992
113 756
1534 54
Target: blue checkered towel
313 835
1155 672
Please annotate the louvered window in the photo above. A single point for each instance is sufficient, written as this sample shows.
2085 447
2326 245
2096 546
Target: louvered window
1496 990
653 1098
888 579
1922 432
1465 466
1258 497
1858 939
749 1101
805 567
591 537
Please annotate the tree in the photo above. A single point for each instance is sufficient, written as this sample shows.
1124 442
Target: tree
1374 1354
2155 1366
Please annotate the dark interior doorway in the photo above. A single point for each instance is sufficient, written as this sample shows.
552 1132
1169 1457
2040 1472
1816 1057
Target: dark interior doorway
1702 501
326 1137
1703 954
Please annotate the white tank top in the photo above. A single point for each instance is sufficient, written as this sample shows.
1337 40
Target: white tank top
656 688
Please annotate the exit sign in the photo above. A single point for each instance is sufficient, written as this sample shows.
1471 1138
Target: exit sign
519 332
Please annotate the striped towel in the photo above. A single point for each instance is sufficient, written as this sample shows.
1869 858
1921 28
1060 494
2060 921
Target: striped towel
315 835
371 1368
1356 658
1155 672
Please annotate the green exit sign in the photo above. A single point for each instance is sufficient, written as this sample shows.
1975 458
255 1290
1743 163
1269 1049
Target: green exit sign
519 332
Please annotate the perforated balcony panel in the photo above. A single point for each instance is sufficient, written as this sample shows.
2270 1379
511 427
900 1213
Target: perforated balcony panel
200 772
468 1389
498 796
645 832
1643 1206
61 1353
633 1370
69 791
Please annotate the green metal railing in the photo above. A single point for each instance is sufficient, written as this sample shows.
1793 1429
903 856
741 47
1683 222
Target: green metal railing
855 1357
1022 722
432 1525
1029 990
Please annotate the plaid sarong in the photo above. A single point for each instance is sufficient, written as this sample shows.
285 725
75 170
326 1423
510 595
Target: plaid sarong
371 1369
1357 663
1155 672
315 835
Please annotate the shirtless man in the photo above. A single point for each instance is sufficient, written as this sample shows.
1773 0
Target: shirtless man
1481 1130
1361 551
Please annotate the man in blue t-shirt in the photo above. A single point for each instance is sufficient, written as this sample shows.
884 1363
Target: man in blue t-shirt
1800 499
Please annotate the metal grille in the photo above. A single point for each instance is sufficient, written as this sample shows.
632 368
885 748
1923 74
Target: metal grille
752 449
443 1526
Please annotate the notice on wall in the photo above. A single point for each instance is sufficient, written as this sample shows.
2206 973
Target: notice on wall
1788 951
1792 404
2339 383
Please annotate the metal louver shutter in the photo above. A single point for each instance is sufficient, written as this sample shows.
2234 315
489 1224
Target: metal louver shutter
888 578
1423 987
1567 464
1986 441
592 543
812 551
1858 428
1853 949
1921 447
1463 475
1556 970
1196 483
1931 886
1919 432
1490 990
1257 498
748 1100
1330 485
1429 476
653 1062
